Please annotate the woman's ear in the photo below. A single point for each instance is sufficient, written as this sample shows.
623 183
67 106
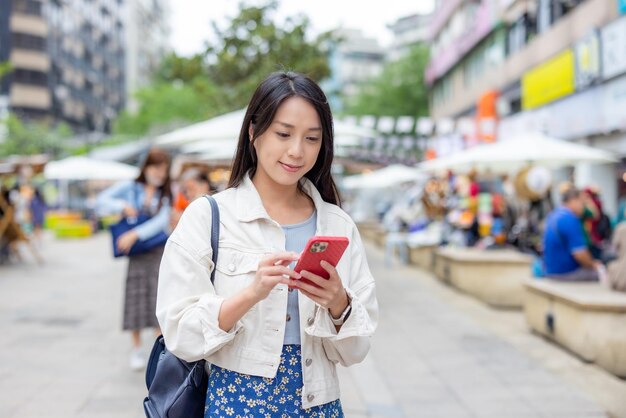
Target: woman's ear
250 132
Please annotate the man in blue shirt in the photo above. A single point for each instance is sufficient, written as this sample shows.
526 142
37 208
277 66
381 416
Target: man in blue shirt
565 251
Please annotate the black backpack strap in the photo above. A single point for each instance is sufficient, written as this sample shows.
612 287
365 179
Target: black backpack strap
215 232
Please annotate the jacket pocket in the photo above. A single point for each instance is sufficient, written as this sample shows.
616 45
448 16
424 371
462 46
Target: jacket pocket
235 270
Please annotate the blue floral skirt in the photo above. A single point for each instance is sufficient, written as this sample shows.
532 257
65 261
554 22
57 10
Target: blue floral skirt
236 395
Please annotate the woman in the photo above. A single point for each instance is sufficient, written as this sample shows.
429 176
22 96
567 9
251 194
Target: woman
194 183
150 193
273 350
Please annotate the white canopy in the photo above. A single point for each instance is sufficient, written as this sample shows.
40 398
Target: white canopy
515 153
389 176
83 168
214 133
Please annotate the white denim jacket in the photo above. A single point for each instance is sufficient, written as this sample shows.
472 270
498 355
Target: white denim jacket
188 305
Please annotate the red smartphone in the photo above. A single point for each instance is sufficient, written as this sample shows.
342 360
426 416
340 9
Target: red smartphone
318 248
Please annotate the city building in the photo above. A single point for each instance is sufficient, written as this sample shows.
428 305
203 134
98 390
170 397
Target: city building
147 34
408 31
514 66
67 61
354 59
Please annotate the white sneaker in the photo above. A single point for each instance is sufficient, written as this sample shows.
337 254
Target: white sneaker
137 360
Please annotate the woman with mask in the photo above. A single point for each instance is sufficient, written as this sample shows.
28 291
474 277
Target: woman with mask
150 193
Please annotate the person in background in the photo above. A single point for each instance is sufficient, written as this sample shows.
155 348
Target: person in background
150 193
38 209
616 270
194 183
566 255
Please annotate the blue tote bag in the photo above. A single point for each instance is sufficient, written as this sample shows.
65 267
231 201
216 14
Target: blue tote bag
141 246
128 223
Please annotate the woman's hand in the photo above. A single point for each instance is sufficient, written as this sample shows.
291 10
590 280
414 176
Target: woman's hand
329 293
130 212
272 271
126 241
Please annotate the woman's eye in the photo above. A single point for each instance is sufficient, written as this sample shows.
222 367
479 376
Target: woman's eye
282 134
312 138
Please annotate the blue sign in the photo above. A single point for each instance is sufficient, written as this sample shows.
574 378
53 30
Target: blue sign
622 6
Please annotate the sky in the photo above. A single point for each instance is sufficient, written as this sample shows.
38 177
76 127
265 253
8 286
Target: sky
190 21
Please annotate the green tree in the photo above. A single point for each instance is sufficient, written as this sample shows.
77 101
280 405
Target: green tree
166 104
35 138
399 90
223 77
253 45
5 68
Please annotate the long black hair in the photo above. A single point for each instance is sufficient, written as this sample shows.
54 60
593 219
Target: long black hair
266 100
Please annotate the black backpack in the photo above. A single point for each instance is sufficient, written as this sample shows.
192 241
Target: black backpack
176 388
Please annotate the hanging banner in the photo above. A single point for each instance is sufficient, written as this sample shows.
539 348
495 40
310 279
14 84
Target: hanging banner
487 117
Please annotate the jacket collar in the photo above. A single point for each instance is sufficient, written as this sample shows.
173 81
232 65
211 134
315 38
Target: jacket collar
250 207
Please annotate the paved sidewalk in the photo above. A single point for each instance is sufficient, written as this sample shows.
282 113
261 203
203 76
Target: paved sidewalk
436 354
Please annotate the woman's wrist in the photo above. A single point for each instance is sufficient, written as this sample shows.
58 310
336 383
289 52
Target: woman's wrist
337 310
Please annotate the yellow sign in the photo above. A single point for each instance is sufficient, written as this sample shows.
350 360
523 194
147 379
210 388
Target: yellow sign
549 81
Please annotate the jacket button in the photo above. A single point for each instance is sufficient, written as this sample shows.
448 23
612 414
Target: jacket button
288 317
310 321
308 362
231 267
310 398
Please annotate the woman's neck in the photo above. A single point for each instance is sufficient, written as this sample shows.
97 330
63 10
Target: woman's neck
284 204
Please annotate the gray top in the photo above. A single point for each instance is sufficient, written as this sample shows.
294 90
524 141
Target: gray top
296 237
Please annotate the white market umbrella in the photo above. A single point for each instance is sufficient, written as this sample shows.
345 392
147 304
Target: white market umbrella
386 177
214 133
223 127
83 168
518 152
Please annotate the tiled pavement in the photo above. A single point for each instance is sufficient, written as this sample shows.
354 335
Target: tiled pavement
436 354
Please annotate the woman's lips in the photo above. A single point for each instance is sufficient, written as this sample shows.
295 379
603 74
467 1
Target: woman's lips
290 168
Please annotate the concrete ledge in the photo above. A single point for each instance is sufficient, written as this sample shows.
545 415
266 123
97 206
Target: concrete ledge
586 318
494 276
422 256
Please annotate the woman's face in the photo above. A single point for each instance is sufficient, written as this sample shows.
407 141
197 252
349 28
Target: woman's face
156 174
193 189
288 149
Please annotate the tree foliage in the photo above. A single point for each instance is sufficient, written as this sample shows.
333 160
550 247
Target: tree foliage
5 68
253 46
223 77
399 90
164 104
34 138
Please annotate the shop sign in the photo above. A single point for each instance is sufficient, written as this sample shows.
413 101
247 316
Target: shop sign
549 81
614 49
587 53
